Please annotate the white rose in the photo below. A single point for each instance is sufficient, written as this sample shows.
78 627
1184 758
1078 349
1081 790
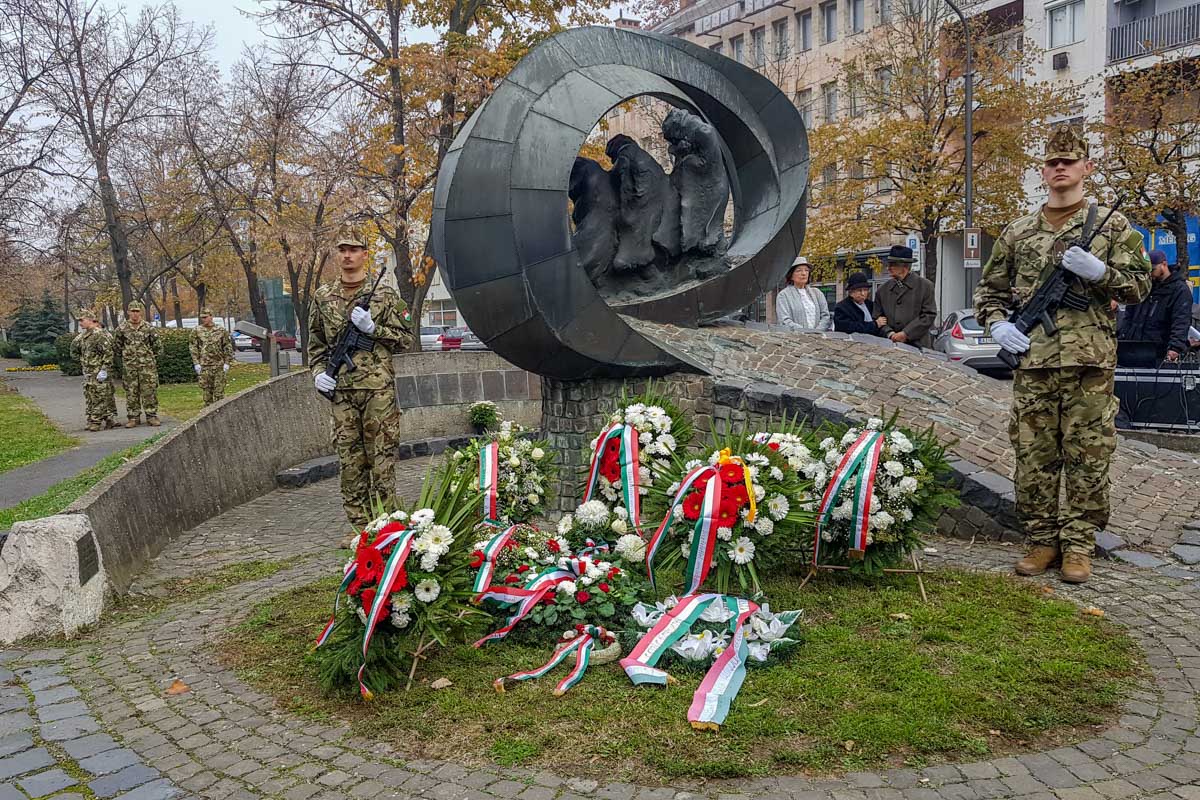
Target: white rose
533 499
538 454
618 526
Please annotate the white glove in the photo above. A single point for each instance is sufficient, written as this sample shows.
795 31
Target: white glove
1083 264
102 375
361 317
324 383
225 367
197 368
1008 337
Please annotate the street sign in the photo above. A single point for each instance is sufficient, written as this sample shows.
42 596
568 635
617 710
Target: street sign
913 242
972 248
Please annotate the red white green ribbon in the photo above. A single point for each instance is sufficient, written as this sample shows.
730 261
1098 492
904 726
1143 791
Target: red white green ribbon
582 646
495 545
628 458
866 448
711 701
524 598
704 535
489 476
385 540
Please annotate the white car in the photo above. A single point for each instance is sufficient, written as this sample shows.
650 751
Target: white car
242 342
431 337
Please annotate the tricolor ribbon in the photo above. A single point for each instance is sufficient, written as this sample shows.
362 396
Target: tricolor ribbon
524 598
489 476
491 550
628 459
348 577
860 463
582 646
726 457
711 701
704 538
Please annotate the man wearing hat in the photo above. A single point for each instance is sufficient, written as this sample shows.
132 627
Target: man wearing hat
212 354
366 421
139 345
93 348
907 301
799 306
1062 424
856 313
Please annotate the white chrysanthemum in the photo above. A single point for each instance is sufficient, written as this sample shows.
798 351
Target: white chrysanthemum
874 424
567 587
620 512
714 459
398 516
631 547
645 437
881 520
427 590
618 526
908 484
778 506
742 551
643 474
843 511
759 493
429 561
757 458
764 525
355 541
776 474
828 443
685 549
917 465
848 437
667 442
565 524
893 468
677 512
724 533
362 615
673 488
422 517
906 514
399 619
592 514
692 464
537 454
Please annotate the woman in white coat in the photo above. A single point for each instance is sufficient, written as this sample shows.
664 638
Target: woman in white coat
799 306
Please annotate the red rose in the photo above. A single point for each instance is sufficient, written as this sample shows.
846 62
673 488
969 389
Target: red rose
732 473
479 559
582 597
523 568
614 572
692 505
553 546
549 599
773 445
604 587
368 600
512 579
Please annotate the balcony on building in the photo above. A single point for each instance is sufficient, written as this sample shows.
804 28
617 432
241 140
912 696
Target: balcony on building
1147 27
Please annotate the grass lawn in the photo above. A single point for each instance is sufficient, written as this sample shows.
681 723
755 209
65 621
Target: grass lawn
63 493
989 666
185 400
26 435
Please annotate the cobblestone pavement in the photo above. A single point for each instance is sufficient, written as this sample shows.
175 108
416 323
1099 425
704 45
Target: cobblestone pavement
94 719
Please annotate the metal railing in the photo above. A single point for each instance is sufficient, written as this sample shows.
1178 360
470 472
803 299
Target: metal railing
1152 34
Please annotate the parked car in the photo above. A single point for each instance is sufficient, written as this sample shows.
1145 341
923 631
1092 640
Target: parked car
431 337
243 342
285 340
452 339
964 340
472 342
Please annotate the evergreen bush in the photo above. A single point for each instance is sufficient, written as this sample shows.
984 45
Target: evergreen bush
67 363
37 322
40 355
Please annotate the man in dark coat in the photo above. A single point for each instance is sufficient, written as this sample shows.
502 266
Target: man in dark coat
1165 315
907 300
856 313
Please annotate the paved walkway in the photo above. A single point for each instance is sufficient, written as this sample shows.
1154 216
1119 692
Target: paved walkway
94 719
60 397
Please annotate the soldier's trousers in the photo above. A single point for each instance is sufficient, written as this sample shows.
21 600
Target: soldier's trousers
366 428
99 401
1063 433
141 391
212 383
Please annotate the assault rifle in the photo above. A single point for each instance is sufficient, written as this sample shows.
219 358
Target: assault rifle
1055 292
351 341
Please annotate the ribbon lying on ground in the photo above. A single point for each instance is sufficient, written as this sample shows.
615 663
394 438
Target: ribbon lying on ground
628 461
722 682
582 646
704 538
489 476
860 462
401 543
523 597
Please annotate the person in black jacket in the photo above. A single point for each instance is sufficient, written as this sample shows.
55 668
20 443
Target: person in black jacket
1165 315
856 313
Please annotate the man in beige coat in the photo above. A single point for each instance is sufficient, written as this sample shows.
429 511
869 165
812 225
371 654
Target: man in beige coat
907 301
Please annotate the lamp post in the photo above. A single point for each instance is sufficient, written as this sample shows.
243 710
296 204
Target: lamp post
969 103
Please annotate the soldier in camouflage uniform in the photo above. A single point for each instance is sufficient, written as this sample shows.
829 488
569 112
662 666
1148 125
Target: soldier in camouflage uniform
366 420
139 345
1062 423
212 353
93 348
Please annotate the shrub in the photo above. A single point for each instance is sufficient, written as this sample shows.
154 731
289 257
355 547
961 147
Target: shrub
484 415
41 355
10 349
175 361
66 362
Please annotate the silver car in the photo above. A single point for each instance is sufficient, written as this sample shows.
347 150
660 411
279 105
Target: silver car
431 337
964 340
472 342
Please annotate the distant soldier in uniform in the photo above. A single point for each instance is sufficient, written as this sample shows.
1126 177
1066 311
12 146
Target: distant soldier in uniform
93 348
139 345
212 353
1063 413
366 420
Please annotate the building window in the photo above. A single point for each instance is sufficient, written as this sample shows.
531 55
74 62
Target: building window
804 102
829 23
738 45
758 46
885 11
1066 24
829 175
829 100
856 98
443 312
857 170
717 48
883 83
779 36
804 31
858 15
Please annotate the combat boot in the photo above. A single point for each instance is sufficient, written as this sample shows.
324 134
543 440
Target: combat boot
109 424
93 426
1076 568
133 423
1039 559
153 422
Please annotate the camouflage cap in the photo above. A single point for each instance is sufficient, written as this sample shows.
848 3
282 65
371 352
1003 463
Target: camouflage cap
86 313
1066 142
204 312
350 237
136 305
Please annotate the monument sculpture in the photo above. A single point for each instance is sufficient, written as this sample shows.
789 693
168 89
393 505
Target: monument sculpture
551 297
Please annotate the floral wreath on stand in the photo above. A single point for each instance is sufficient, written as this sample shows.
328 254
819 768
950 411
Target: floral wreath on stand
513 474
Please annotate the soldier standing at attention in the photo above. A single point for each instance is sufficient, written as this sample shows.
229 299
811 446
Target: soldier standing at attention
1062 423
366 420
138 343
93 347
212 353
